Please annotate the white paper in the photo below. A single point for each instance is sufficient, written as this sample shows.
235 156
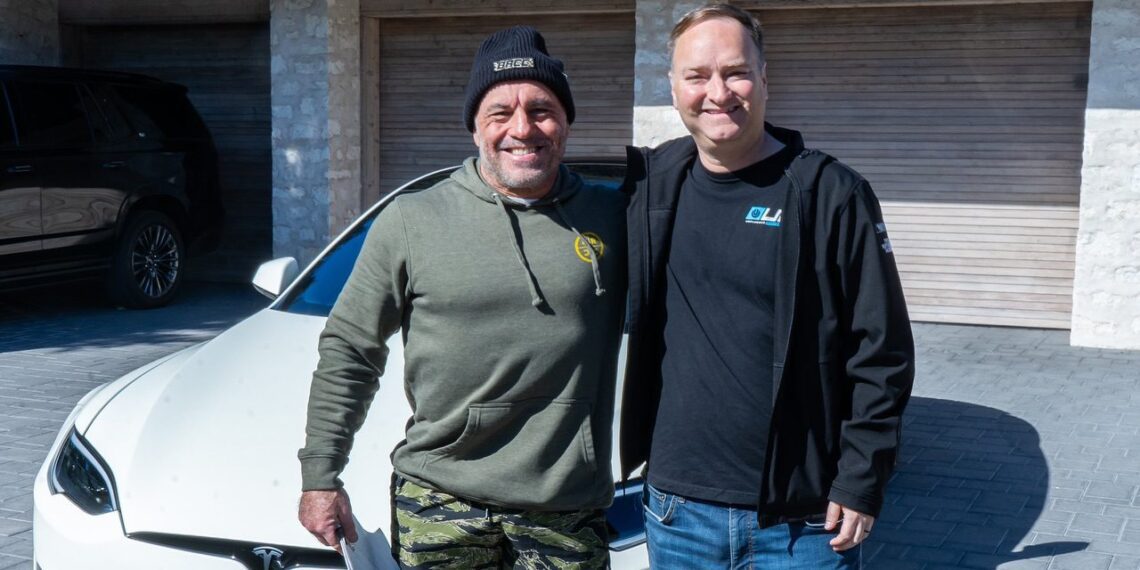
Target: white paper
370 551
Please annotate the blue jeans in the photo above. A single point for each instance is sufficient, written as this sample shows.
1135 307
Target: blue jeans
689 534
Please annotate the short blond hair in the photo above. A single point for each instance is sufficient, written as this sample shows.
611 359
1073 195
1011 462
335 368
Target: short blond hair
713 11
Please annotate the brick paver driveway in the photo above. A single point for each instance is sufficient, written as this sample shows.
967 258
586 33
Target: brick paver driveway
1019 451
57 345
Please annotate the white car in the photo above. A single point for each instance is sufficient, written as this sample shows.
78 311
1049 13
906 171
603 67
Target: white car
190 461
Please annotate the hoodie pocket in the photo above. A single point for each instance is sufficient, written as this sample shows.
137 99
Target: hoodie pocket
525 451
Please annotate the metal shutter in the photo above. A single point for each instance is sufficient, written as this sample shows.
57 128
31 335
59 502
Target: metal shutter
425 62
968 121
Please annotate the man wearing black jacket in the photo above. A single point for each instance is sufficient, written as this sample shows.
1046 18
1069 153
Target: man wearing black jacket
770 352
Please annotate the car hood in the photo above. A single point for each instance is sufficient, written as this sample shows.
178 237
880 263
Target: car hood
206 445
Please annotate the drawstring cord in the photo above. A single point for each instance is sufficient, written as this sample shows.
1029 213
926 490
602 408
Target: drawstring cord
594 254
536 297
531 280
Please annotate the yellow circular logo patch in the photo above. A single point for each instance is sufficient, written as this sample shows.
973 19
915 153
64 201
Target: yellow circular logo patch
585 250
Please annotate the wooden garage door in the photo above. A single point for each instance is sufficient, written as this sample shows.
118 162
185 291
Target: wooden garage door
226 68
425 62
968 122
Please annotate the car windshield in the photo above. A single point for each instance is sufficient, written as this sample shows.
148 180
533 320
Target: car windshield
319 287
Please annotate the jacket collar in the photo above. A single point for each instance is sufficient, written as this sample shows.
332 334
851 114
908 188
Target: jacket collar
680 152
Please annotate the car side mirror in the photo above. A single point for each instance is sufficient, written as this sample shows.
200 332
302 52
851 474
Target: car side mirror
274 276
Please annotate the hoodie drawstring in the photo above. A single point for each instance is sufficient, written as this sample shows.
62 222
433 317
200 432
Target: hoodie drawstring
594 254
532 284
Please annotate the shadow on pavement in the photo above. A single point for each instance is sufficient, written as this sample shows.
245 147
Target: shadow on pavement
79 316
970 484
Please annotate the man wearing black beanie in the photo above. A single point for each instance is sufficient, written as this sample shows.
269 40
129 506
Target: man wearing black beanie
511 68
507 282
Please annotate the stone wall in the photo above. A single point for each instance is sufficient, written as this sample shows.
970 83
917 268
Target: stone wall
1106 292
654 119
315 68
29 32
344 114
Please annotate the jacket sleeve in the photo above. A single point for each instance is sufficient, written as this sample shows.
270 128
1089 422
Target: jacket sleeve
353 350
879 351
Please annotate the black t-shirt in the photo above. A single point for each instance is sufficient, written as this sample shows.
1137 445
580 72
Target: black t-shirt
716 399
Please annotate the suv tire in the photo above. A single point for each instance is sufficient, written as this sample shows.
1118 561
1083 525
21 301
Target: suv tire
148 264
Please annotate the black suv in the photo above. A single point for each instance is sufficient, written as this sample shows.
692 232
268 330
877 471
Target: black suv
103 174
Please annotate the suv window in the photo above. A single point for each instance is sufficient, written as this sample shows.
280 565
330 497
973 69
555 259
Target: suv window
7 134
113 125
49 114
160 112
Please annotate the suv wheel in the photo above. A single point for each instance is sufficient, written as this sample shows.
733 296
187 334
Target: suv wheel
148 264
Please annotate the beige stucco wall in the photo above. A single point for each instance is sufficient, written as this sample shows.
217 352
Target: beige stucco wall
315 68
1106 292
29 32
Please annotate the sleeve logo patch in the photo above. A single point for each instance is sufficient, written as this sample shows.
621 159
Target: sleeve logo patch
884 241
513 63
586 248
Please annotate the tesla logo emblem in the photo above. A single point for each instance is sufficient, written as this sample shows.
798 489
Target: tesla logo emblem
270 557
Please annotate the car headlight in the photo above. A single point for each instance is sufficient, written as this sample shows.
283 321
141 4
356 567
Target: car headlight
81 475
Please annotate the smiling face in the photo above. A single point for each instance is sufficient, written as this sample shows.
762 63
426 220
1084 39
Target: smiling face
520 129
720 87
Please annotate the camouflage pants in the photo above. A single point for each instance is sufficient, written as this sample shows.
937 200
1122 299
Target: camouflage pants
440 531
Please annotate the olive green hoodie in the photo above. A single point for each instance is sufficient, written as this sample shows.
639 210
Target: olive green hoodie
511 326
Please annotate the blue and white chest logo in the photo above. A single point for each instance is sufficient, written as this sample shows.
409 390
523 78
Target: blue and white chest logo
764 215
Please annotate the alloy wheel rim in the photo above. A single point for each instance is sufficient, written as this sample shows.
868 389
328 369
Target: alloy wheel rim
155 261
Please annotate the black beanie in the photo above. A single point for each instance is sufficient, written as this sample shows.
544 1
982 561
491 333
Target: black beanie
513 54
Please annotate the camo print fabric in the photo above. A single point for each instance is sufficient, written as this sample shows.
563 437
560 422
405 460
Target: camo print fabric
443 532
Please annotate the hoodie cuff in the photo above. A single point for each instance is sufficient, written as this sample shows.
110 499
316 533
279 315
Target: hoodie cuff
321 473
861 503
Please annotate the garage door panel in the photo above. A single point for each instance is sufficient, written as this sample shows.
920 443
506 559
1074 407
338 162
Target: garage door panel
990 226
963 76
903 44
922 117
1029 62
968 253
857 19
998 250
989 301
954 315
913 209
968 122
1005 86
997 186
940 283
972 269
421 112
947 101
902 230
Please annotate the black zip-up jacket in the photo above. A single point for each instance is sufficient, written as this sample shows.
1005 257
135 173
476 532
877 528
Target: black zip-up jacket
843 360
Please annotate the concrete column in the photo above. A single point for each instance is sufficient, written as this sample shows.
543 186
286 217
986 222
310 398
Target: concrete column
654 119
29 32
1106 291
315 69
